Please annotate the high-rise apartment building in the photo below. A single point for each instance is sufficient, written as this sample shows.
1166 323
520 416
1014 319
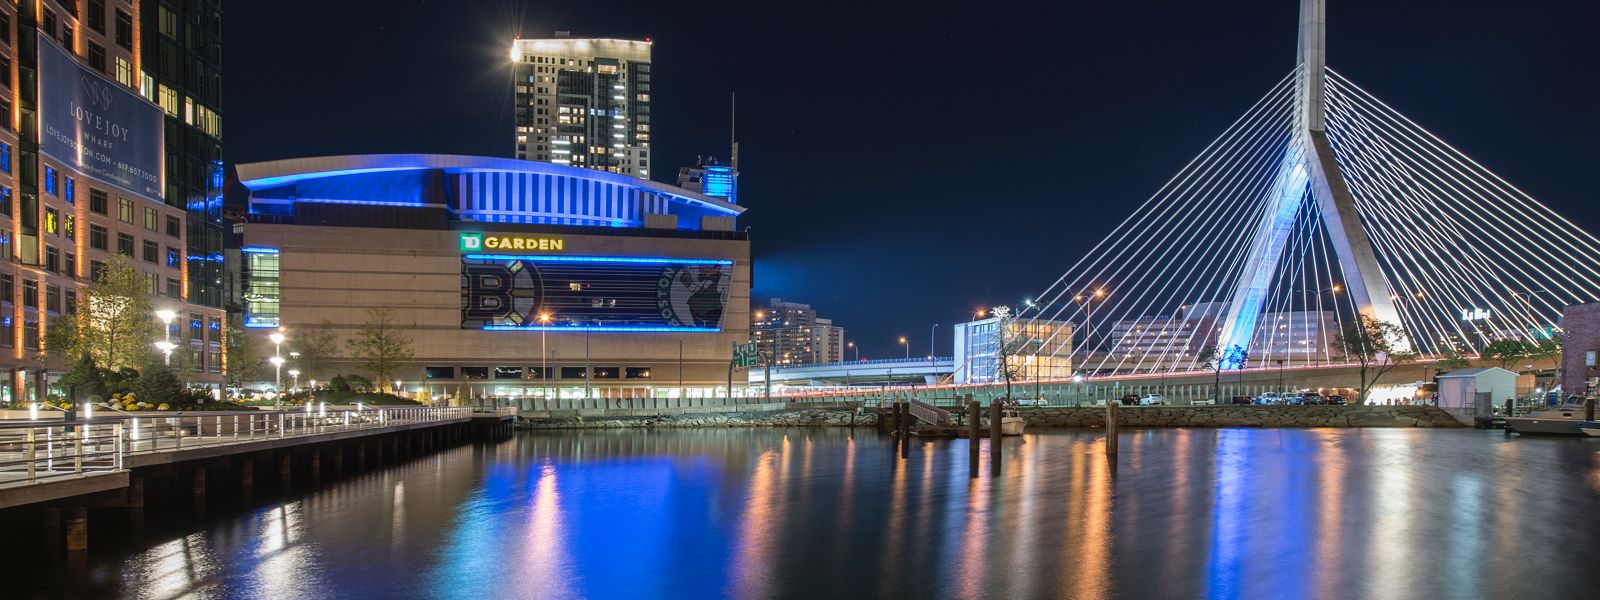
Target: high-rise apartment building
583 102
111 146
179 62
791 333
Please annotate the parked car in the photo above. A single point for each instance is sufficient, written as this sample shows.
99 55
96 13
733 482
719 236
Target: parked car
1335 400
1269 398
1312 398
1242 400
1129 399
1203 402
1152 399
1033 401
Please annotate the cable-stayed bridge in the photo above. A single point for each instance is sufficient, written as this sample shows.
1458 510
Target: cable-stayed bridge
1319 206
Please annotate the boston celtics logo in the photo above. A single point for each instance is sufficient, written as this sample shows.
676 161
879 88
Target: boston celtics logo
693 295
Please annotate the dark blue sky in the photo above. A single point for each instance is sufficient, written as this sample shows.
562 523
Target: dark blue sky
904 164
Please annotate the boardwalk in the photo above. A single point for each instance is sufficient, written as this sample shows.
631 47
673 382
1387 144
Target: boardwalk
42 460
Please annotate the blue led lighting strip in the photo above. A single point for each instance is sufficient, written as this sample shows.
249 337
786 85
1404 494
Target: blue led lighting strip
258 250
642 260
612 328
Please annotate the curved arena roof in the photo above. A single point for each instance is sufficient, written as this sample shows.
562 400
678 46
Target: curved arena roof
475 188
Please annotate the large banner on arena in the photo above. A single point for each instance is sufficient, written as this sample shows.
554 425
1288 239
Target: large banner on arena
504 292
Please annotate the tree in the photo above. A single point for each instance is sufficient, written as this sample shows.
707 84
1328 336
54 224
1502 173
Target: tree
1547 348
157 384
241 357
380 346
1011 340
85 378
1505 351
112 324
1377 347
1212 358
316 346
1450 357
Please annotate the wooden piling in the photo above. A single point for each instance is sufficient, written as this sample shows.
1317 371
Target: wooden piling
905 430
1588 409
974 419
316 465
1111 427
994 433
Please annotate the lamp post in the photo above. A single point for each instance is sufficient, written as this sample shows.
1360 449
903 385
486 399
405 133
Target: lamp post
1088 300
294 377
907 345
277 381
166 348
852 346
933 341
544 369
166 317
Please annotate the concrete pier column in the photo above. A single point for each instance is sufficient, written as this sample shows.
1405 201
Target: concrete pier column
51 522
285 470
361 456
247 476
198 487
338 460
77 530
136 493
316 465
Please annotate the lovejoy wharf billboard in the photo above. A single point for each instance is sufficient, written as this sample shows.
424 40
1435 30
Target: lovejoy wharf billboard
93 123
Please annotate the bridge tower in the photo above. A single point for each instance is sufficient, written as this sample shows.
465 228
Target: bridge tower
1309 169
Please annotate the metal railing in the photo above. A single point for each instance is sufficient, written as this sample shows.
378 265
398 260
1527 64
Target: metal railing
35 450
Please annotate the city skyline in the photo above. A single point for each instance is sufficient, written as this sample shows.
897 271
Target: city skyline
1144 115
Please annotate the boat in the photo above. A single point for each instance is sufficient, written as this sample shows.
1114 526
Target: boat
1590 428
1011 422
1566 419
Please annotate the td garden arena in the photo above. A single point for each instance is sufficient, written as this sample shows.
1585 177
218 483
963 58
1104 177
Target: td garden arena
511 278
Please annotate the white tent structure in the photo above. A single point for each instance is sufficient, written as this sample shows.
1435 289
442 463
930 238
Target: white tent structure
1469 393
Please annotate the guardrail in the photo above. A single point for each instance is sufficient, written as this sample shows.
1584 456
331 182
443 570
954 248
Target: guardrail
35 450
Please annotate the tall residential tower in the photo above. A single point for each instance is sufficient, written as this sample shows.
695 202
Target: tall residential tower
583 102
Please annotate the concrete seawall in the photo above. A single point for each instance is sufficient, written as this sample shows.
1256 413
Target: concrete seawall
1038 418
1246 416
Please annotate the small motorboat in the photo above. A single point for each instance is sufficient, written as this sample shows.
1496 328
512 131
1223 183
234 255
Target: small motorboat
1562 420
1589 428
1011 422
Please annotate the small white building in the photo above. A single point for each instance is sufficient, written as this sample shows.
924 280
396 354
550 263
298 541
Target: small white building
1468 393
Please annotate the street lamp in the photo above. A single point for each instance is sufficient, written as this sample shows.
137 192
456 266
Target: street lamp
166 317
294 375
166 348
933 340
277 379
277 363
908 346
544 369
852 346
1088 300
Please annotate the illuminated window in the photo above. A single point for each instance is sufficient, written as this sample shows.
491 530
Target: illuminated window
168 99
125 210
50 178
261 289
124 72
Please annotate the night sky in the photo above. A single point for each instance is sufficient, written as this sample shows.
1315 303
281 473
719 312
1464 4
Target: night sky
905 164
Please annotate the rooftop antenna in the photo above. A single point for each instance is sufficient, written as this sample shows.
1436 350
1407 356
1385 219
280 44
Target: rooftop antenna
733 129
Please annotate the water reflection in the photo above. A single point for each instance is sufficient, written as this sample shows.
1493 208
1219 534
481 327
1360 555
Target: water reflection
822 513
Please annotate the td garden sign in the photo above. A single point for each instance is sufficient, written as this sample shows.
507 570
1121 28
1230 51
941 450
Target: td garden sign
479 242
